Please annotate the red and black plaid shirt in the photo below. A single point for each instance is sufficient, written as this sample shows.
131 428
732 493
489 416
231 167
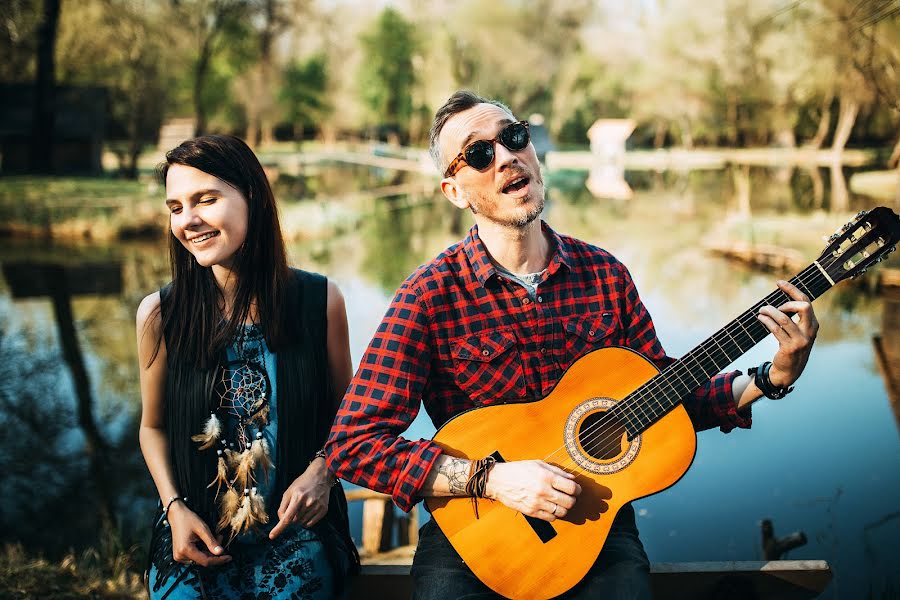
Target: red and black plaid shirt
459 334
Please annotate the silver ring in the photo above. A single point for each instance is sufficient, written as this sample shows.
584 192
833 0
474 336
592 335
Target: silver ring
555 506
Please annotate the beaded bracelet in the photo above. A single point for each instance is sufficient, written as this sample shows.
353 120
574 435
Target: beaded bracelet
765 385
171 500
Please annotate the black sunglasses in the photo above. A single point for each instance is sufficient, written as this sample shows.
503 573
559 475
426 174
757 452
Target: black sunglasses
480 154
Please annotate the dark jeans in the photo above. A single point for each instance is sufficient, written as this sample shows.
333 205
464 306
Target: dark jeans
621 572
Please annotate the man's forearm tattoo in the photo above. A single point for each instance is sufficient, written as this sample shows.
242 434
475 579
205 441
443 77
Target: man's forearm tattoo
457 473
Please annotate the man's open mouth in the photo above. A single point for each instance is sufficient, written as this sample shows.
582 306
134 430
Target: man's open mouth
515 185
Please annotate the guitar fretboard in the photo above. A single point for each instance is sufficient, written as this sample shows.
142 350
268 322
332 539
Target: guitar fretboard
653 400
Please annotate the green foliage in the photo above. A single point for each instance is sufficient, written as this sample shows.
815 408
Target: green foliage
387 74
304 92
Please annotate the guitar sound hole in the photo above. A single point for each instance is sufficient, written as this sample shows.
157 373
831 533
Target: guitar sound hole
600 434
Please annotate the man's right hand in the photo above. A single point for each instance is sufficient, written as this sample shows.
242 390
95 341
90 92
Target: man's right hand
192 541
533 488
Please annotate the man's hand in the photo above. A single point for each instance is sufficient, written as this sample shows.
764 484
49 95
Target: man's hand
795 340
533 488
192 541
305 501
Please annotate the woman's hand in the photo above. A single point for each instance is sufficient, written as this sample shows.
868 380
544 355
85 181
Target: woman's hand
305 501
192 541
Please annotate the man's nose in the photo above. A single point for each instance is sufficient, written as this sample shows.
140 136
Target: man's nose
504 156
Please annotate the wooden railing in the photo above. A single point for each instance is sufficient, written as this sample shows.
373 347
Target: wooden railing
381 524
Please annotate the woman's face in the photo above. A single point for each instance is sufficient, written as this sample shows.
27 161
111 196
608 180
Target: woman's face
207 215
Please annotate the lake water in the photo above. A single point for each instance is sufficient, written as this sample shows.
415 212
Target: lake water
824 461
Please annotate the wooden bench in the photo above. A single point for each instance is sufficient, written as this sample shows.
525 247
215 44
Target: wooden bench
740 580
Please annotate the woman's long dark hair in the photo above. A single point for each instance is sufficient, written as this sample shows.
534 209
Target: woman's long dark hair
193 311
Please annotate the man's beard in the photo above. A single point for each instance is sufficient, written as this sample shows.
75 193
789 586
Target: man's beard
517 220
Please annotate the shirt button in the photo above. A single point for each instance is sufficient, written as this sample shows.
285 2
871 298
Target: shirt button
543 351
526 301
485 352
540 298
591 332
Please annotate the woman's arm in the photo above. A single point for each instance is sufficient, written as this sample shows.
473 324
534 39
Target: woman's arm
339 363
305 501
187 528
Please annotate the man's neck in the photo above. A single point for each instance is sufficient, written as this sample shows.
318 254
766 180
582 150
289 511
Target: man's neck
518 250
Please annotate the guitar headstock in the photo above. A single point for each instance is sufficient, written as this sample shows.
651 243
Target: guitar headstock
867 239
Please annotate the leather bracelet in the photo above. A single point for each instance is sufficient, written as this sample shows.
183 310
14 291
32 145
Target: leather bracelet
761 378
478 476
321 454
171 500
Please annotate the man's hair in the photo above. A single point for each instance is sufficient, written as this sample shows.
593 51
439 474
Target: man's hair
460 101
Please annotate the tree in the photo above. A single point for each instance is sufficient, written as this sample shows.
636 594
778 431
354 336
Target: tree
44 114
138 76
303 95
209 22
388 75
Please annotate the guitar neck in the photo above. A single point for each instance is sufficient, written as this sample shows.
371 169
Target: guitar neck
653 400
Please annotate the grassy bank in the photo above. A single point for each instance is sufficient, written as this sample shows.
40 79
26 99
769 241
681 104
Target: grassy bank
88 575
74 208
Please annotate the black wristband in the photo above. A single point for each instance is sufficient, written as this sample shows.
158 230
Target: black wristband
761 378
171 500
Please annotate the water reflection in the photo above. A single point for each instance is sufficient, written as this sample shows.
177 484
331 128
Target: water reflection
824 461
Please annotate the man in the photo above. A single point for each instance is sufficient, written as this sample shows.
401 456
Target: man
498 318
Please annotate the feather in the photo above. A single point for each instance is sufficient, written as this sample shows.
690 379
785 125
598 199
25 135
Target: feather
240 522
210 435
260 450
244 476
258 507
261 417
228 506
221 475
232 458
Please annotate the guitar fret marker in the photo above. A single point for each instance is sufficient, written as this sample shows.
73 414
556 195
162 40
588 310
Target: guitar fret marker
824 272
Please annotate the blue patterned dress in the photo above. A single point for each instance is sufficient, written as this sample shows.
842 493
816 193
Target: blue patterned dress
295 564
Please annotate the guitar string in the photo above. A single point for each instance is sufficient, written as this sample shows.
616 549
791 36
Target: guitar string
648 388
635 403
613 440
636 400
802 280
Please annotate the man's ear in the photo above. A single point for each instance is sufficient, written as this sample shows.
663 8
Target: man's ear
454 193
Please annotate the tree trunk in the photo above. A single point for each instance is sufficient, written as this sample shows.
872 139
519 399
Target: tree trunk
824 124
894 160
840 197
199 83
687 136
741 178
44 114
731 119
659 135
95 446
818 186
849 108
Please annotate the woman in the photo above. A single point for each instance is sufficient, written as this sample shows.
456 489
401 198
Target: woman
243 362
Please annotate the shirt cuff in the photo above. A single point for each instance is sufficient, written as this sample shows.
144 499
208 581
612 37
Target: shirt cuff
413 475
729 414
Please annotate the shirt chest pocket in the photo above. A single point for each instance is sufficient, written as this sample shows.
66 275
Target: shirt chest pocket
487 366
586 333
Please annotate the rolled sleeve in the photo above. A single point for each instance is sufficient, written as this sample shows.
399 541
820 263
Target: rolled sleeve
365 446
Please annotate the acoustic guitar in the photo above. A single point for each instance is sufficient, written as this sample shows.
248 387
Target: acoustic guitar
617 423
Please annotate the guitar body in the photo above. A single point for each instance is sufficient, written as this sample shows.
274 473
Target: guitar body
503 549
